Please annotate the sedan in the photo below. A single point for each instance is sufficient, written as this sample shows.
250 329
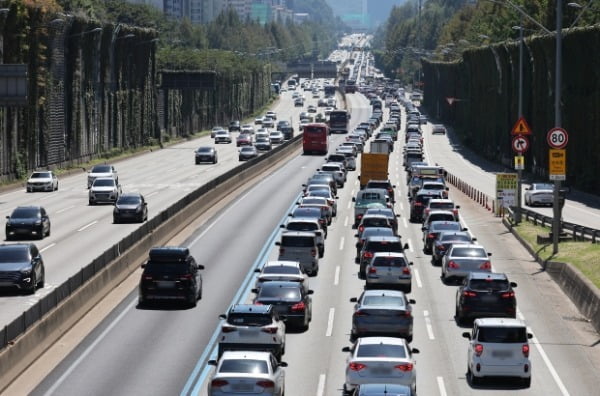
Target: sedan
290 299
431 231
222 136
42 181
276 137
281 270
247 153
444 242
463 259
380 359
438 128
247 373
382 312
130 207
30 221
539 194
244 139
390 270
205 154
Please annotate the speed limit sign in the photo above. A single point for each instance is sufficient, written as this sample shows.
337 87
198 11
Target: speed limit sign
557 138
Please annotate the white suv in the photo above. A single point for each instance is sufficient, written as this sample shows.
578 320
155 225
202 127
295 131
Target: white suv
252 327
498 347
104 189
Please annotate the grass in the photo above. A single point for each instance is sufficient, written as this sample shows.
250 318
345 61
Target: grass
583 255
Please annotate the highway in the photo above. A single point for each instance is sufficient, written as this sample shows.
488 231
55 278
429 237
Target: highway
163 351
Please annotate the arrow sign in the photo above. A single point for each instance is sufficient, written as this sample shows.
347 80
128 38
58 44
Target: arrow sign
520 144
521 127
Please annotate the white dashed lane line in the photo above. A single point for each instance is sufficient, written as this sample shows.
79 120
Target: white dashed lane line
428 325
87 226
342 243
329 330
336 277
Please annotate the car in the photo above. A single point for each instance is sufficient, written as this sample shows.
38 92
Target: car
311 109
281 270
312 212
372 220
247 373
301 246
462 259
389 270
435 186
437 129
104 189
21 267
268 122
387 212
28 221
369 232
291 300
382 389
539 194
258 121
262 144
366 198
131 207
276 137
498 347
170 274
431 231
323 191
380 359
250 327
385 184
422 119
439 215
247 153
247 128
206 154
336 170
101 171
376 244
234 126
298 102
443 242
214 130
310 225
42 181
382 312
243 139
484 294
321 178
222 136
271 114
441 204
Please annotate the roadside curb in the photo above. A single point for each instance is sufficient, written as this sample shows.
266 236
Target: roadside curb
582 292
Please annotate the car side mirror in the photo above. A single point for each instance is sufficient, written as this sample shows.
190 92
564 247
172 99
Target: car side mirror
457 206
257 270
346 349
473 239
143 265
310 292
278 243
282 364
513 284
353 200
415 350
412 301
8 217
405 246
465 229
200 266
411 263
353 299
255 291
529 336
489 254
282 226
222 316
423 228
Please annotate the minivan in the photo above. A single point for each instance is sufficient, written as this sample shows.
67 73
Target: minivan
300 246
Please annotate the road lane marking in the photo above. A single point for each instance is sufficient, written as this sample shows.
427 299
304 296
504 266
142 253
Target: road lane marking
417 278
65 209
401 207
349 205
404 222
87 225
441 386
47 247
428 325
330 322
151 194
336 277
321 385
346 221
342 243
410 246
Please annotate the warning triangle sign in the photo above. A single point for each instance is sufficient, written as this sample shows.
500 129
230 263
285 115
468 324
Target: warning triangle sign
521 127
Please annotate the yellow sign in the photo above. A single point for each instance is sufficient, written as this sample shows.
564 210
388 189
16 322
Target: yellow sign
557 164
519 162
521 127
506 181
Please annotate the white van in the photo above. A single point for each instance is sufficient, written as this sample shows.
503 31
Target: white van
300 246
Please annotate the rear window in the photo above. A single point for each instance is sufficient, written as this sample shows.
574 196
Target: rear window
281 269
452 237
423 198
388 301
389 262
441 216
302 227
280 293
240 319
297 241
380 350
370 197
384 246
488 284
371 222
249 366
468 252
166 267
446 227
441 205
503 335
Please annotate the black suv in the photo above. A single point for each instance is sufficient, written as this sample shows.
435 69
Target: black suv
170 273
234 126
21 267
30 221
376 244
385 184
419 202
485 294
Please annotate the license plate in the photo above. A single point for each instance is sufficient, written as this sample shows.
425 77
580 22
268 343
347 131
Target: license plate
165 284
502 354
488 298
381 371
242 387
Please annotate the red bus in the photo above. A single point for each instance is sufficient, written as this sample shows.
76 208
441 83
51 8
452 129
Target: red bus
315 138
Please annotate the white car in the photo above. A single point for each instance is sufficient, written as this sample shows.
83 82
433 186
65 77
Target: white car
247 373
282 270
42 181
276 137
271 114
498 347
249 327
222 136
101 171
539 194
374 360
104 189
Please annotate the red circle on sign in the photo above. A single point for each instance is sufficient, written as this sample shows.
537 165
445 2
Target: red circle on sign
520 144
557 138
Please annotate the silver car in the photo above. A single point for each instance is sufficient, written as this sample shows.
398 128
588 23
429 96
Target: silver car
104 189
42 181
247 373
382 312
389 269
539 194
464 258
281 270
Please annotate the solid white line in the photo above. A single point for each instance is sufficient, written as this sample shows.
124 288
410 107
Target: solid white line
47 247
346 221
88 225
352 192
401 207
441 386
151 194
336 277
417 278
342 243
410 245
65 209
428 325
330 322
321 385
404 222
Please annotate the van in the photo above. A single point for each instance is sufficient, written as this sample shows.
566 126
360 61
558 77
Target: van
302 247
366 198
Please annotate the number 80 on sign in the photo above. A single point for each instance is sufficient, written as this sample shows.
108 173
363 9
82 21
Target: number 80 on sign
557 138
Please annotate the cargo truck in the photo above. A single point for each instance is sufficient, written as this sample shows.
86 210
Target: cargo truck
373 166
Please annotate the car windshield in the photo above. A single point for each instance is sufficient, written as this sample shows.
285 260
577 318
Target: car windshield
161 267
449 226
488 284
129 200
380 350
441 205
104 183
40 175
247 150
25 213
204 150
249 366
388 301
13 254
543 186
502 335
295 226
279 293
468 252
281 269
389 262
242 319
222 133
101 169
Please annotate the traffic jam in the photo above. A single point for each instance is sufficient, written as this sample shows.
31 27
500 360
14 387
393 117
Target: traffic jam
380 358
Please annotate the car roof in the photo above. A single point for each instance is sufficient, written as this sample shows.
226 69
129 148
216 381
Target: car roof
298 234
383 238
254 355
282 263
487 275
440 211
384 293
467 245
499 322
282 284
381 340
388 254
440 200
251 308
440 222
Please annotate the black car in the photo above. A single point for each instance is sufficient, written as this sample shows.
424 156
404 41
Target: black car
376 244
206 154
431 231
170 273
248 153
444 241
130 207
263 144
234 126
21 267
28 221
290 299
485 294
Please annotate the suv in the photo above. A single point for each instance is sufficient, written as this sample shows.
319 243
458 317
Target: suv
101 171
376 244
418 203
21 267
234 126
388 269
499 348
32 221
104 189
310 225
170 273
485 294
300 246
251 327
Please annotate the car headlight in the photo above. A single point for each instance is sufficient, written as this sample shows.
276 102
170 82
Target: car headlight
38 222
116 210
26 271
138 209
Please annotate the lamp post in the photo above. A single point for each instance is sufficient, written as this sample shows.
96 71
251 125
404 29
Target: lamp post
557 210
520 110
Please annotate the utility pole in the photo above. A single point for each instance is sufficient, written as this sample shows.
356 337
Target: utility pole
557 209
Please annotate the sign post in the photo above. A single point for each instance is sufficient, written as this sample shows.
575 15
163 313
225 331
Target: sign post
520 144
557 139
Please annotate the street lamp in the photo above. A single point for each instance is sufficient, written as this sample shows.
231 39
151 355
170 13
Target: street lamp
520 110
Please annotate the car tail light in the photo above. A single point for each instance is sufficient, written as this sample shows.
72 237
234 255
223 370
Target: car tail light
356 366
441 247
404 367
228 329
361 228
186 277
430 236
486 266
418 204
406 271
265 383
368 254
510 294
313 252
217 383
372 270
478 349
281 251
453 264
258 303
299 307
405 314
270 329
426 211
359 217
467 293
360 313
525 349
455 211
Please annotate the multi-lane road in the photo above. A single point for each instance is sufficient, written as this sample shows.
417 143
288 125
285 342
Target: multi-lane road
164 351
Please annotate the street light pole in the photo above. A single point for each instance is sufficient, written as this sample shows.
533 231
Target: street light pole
518 214
557 123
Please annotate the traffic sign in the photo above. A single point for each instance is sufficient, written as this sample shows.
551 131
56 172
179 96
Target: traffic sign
558 164
520 144
519 162
557 138
521 127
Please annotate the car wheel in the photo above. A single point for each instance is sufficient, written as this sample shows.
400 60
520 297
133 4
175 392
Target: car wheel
91 203
115 220
472 378
41 233
200 293
31 290
56 189
193 300
42 281
458 316
48 233
215 160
